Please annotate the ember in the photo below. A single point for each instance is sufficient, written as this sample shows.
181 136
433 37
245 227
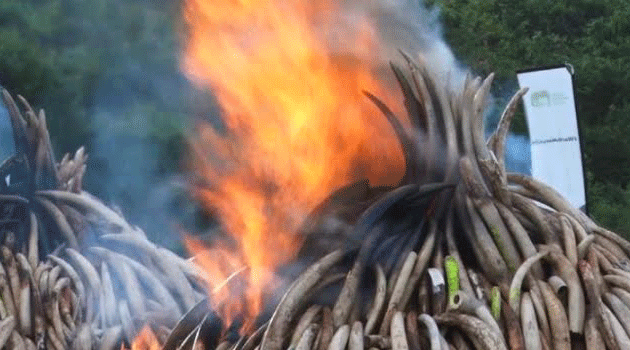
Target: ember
145 340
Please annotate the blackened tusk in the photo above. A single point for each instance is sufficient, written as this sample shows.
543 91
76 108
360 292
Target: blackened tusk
188 323
408 147
412 104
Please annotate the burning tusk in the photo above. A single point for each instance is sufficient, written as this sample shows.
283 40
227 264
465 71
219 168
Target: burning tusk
72 273
228 279
278 325
60 219
421 264
326 330
87 202
111 337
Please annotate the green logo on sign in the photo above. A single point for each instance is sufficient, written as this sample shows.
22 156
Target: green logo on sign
541 98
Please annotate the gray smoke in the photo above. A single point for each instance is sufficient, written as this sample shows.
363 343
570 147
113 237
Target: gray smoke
7 147
410 26
518 157
139 111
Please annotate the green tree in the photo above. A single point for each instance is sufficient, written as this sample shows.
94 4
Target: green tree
106 72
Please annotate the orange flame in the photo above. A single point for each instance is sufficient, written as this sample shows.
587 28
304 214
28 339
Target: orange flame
145 340
297 127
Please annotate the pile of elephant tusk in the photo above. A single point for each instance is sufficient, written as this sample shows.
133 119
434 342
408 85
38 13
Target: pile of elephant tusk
103 279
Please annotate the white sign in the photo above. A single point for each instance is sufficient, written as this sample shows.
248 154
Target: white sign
553 131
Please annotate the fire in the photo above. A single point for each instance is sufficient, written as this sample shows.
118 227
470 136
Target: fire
289 77
145 340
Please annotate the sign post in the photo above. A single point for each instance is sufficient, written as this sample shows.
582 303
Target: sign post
553 131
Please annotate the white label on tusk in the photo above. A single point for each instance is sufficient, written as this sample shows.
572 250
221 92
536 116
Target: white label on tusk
437 279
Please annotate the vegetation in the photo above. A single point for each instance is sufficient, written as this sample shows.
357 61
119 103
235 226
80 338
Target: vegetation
106 72
73 57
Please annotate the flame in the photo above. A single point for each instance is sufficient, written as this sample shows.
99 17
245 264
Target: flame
145 340
289 77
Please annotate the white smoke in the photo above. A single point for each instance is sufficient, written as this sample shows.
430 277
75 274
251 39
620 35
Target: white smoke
414 28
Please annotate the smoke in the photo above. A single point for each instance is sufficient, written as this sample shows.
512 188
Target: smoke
412 27
7 146
518 157
400 25
125 149
139 98
139 113
126 166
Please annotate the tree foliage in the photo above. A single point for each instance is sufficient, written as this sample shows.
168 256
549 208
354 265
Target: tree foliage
78 57
106 72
